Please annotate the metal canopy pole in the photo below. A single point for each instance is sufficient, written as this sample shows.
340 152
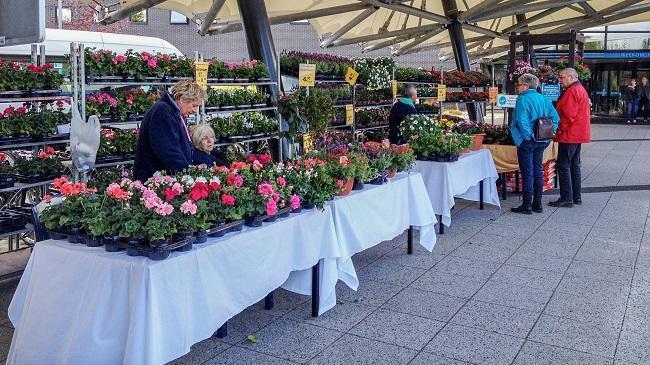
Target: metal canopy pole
460 49
528 50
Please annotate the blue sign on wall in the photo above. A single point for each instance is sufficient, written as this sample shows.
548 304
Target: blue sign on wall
551 91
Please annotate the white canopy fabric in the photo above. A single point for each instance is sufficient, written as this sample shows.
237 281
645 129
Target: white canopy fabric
418 25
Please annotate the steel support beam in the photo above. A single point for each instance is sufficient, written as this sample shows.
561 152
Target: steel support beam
410 11
445 44
128 10
530 51
487 5
604 13
281 19
522 9
459 47
209 17
346 28
416 42
395 33
532 19
259 39
481 30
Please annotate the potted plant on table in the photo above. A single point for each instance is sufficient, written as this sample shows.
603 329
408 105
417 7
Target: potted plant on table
44 166
474 129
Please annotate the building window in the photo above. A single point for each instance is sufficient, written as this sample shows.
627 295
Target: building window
177 18
66 15
139 17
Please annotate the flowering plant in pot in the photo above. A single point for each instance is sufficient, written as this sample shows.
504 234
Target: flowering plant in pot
106 142
342 170
44 77
17 122
101 104
521 67
321 186
402 157
134 102
43 166
375 73
72 208
217 70
380 160
471 128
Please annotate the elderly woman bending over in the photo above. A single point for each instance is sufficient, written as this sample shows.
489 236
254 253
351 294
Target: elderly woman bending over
165 142
529 108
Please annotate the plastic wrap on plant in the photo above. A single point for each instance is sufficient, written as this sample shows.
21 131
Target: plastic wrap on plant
84 141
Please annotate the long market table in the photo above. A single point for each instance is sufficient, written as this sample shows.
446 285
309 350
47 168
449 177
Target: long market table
472 177
80 305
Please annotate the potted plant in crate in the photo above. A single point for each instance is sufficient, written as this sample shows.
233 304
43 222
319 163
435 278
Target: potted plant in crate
6 171
41 167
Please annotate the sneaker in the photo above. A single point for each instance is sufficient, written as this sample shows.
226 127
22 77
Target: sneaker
628 122
634 121
561 204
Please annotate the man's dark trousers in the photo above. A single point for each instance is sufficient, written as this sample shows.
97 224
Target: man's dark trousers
568 168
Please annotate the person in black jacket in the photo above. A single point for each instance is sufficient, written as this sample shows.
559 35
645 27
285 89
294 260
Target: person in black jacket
164 143
644 96
404 107
632 96
203 138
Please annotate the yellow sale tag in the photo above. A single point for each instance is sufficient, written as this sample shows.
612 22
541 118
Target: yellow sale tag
307 143
349 114
493 92
442 92
351 76
306 74
429 101
201 74
394 85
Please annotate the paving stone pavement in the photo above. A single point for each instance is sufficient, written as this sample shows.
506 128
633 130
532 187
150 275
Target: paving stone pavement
570 286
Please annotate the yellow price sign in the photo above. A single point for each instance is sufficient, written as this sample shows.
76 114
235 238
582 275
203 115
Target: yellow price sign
349 114
307 143
493 93
442 92
351 76
429 101
306 75
201 74
394 85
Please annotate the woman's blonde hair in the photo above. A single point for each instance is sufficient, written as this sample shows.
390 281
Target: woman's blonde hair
199 132
188 90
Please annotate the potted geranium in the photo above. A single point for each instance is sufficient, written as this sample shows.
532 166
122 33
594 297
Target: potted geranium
6 171
475 129
44 166
402 157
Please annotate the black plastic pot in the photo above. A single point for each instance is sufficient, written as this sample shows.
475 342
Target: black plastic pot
358 185
41 93
74 235
133 248
57 236
284 213
92 241
237 227
184 236
10 94
271 218
200 237
308 205
112 243
297 210
218 229
6 181
377 181
253 221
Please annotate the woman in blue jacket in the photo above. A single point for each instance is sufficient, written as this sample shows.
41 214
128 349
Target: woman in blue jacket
529 108
165 143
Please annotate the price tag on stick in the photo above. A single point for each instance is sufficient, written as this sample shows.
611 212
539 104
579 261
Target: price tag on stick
394 86
201 74
442 92
493 93
307 143
349 114
351 76
306 74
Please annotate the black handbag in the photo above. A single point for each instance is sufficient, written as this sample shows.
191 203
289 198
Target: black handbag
544 130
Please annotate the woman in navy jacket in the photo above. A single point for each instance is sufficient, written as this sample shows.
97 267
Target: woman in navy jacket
165 143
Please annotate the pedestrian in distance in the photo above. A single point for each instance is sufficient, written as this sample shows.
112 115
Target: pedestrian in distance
530 107
632 96
644 99
574 130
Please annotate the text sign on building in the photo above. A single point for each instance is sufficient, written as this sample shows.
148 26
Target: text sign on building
307 74
201 75
506 101
551 91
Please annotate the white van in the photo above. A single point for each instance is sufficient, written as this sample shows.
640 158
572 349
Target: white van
57 44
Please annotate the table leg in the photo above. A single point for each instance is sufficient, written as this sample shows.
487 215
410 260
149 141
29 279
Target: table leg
409 242
480 195
315 289
222 331
441 226
268 301
555 181
504 188
517 181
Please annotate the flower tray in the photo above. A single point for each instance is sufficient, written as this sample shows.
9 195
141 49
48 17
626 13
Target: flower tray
6 181
40 93
11 222
177 78
222 229
34 178
54 137
161 252
108 158
104 78
5 140
13 94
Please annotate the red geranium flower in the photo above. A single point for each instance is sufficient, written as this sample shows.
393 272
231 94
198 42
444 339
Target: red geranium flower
199 191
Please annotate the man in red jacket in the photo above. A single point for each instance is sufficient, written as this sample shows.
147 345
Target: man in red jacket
573 106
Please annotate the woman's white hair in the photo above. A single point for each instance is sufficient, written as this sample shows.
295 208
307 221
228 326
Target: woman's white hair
529 79
199 132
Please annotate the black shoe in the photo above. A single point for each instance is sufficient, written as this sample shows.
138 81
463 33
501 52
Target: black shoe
537 202
525 207
577 201
561 204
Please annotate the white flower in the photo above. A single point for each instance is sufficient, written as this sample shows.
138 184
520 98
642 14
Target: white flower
215 179
201 179
187 180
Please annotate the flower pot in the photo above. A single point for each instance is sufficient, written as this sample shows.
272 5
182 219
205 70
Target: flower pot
347 187
157 244
308 205
392 173
92 241
181 236
74 235
217 229
236 226
477 141
111 243
133 248
297 210
358 185
271 218
379 180
57 236
201 236
253 221
6 181
283 213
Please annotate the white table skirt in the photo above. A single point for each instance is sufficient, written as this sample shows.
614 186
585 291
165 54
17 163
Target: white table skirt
446 180
370 216
81 305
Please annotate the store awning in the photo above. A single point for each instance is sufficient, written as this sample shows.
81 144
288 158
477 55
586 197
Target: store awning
415 25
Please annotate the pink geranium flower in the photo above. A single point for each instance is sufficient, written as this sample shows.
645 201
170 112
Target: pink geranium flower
188 208
295 201
271 207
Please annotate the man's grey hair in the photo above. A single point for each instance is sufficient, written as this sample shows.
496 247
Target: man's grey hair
570 72
409 91
529 79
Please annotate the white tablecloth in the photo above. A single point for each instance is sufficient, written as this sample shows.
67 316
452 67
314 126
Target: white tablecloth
370 216
446 180
80 305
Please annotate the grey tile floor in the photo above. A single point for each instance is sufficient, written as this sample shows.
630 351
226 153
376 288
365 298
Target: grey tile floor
570 286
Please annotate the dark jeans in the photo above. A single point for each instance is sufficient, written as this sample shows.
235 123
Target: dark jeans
568 169
530 154
644 109
632 108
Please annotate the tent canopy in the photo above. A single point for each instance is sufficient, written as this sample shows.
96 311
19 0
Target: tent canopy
409 26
